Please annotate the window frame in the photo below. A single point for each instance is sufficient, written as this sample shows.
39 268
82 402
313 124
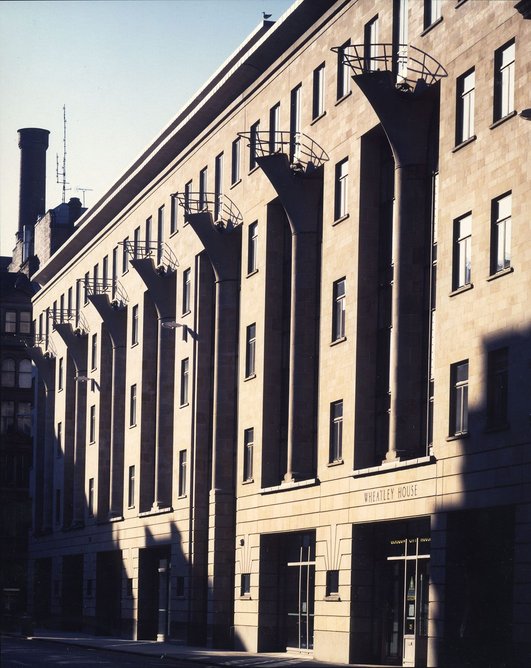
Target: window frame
185 382
252 248
343 87
503 222
504 78
250 350
235 171
341 189
248 454
335 453
465 106
459 398
183 473
339 312
318 91
497 388
187 291
131 475
462 252
133 405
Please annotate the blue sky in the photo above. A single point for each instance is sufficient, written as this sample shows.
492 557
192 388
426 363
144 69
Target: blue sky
123 68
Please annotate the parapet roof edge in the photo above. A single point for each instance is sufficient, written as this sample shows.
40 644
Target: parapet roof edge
229 69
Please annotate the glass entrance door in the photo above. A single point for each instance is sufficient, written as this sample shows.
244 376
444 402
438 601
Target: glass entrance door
406 624
300 601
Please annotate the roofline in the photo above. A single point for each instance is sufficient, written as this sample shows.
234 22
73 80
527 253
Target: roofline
251 59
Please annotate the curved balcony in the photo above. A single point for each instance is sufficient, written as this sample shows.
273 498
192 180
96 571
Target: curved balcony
159 251
411 68
225 214
304 154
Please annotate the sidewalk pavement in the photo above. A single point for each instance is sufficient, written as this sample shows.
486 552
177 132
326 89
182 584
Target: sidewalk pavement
173 650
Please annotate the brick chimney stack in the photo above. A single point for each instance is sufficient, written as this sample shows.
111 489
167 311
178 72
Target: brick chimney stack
33 143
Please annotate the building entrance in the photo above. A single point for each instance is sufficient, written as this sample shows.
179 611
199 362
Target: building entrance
390 601
300 578
407 581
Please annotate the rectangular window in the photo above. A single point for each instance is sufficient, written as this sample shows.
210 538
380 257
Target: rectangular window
203 188
245 584
465 107
370 45
339 293
149 226
129 587
253 144
341 190
218 187
61 308
432 12
295 123
343 72
136 242
92 424
95 278
318 99
252 248
462 270
187 273
25 374
105 272
8 416
60 374
134 325
94 351
248 445
185 372
336 431
459 398
236 157
132 406
59 450
91 497
497 388
250 350
187 197
160 234
24 325
86 283
114 271
274 124
131 487
10 322
69 304
90 587
24 417
182 472
504 80
501 234
173 214
78 300
125 256
332 583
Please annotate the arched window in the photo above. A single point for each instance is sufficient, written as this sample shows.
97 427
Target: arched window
24 373
8 372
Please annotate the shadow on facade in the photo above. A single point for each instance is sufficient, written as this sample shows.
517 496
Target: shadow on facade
479 550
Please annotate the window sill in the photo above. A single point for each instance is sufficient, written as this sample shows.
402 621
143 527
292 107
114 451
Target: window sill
158 511
461 2
318 118
245 597
185 313
502 120
393 465
464 143
457 437
252 273
254 169
431 26
172 234
134 345
336 462
344 97
501 272
285 486
335 342
340 220
233 185
132 426
332 597
184 405
116 518
460 289
182 496
248 481
253 375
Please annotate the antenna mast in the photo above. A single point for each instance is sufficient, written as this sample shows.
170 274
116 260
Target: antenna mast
61 173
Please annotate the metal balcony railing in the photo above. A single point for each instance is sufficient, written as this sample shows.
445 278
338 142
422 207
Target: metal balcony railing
411 66
304 154
225 214
110 287
159 251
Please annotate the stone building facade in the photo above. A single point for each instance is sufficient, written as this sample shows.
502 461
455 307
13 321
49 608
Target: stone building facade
284 360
